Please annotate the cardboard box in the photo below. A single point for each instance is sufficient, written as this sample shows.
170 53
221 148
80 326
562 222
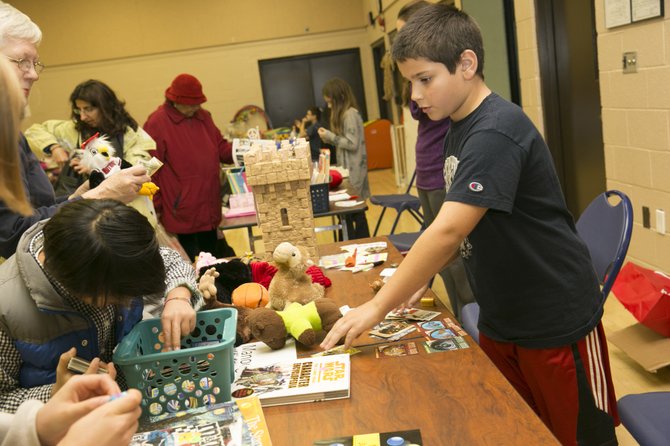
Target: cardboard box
643 345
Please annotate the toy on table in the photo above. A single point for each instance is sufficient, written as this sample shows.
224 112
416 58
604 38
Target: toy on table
291 283
300 321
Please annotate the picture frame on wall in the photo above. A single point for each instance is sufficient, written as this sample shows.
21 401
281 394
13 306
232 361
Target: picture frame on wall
624 12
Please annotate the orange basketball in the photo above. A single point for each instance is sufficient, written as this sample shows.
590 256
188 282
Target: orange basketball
251 295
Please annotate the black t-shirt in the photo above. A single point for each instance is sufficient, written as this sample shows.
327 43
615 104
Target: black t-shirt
530 272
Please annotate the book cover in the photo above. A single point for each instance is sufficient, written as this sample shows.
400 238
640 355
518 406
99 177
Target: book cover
257 354
400 438
219 424
299 381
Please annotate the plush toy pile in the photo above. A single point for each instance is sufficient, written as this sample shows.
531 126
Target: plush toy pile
295 304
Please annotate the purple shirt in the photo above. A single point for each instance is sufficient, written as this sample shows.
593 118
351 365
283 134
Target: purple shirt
429 149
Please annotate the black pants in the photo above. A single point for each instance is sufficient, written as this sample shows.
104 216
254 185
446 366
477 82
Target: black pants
357 225
205 241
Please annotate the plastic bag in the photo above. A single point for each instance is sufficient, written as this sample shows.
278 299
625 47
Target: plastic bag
646 294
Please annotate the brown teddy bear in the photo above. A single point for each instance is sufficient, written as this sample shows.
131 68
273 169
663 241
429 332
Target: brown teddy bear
291 283
300 321
270 326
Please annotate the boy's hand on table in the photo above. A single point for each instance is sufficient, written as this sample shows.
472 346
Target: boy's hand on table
413 299
354 323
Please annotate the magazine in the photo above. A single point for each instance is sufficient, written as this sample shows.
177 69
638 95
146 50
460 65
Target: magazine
218 424
299 381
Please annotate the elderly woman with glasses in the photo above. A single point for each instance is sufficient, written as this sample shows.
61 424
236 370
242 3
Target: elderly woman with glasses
95 108
19 38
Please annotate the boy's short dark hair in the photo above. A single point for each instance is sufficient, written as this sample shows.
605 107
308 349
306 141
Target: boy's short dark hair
439 33
316 111
103 250
410 8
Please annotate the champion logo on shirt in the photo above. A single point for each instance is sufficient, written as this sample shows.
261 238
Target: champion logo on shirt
475 186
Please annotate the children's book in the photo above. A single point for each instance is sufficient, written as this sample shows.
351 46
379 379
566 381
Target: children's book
298 381
257 354
219 424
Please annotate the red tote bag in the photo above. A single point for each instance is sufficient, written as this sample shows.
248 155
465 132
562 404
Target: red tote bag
646 294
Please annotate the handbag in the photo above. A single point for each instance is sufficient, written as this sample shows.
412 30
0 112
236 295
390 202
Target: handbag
646 294
68 181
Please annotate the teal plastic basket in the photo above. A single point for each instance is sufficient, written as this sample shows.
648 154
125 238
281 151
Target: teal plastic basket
197 375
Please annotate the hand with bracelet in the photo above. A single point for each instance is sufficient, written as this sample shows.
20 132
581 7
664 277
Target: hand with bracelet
178 317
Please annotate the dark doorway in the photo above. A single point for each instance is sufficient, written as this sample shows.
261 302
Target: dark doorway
378 51
293 84
571 97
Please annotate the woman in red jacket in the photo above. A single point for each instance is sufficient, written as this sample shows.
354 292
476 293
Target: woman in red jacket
191 147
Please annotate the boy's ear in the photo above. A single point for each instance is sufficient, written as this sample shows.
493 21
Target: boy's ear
469 61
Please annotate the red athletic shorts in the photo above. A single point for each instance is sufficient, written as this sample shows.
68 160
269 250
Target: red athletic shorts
570 387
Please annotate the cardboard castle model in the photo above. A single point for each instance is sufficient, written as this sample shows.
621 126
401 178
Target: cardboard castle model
280 181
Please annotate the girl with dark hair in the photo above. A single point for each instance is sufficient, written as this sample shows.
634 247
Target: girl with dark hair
95 108
83 279
347 135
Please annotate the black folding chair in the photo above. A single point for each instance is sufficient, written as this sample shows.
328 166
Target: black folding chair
399 202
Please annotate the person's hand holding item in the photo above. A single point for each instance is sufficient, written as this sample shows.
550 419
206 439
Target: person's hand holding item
59 155
123 185
79 167
63 375
178 317
78 397
111 424
352 324
326 135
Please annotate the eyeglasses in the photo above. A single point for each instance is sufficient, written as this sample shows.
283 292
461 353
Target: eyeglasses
84 111
25 65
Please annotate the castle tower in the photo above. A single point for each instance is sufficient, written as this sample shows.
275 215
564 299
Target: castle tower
280 181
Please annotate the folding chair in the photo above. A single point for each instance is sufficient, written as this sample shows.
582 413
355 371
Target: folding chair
606 230
399 202
645 416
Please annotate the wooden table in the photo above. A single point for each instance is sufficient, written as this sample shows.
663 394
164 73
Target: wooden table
454 398
341 213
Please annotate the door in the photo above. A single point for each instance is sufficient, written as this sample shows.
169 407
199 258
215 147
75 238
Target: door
571 97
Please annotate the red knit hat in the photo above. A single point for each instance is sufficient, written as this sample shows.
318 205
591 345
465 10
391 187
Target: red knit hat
185 89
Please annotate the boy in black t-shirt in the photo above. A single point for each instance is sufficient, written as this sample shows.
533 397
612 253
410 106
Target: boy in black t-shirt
505 215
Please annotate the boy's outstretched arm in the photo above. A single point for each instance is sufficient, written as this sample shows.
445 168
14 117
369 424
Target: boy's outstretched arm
429 254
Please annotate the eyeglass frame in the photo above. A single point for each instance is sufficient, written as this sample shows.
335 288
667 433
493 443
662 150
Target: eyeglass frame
88 110
35 65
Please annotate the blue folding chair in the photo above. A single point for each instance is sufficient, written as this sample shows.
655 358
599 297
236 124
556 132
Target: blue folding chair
645 416
606 229
399 202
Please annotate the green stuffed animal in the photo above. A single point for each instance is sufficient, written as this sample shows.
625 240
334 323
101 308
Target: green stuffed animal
300 321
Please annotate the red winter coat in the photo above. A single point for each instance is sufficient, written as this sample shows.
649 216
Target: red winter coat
189 199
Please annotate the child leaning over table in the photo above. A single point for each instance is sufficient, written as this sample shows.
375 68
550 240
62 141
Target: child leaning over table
505 215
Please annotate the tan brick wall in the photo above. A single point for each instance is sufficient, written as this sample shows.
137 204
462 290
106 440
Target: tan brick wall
636 125
635 116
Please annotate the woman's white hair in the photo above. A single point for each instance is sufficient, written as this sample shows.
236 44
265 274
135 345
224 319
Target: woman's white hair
15 25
